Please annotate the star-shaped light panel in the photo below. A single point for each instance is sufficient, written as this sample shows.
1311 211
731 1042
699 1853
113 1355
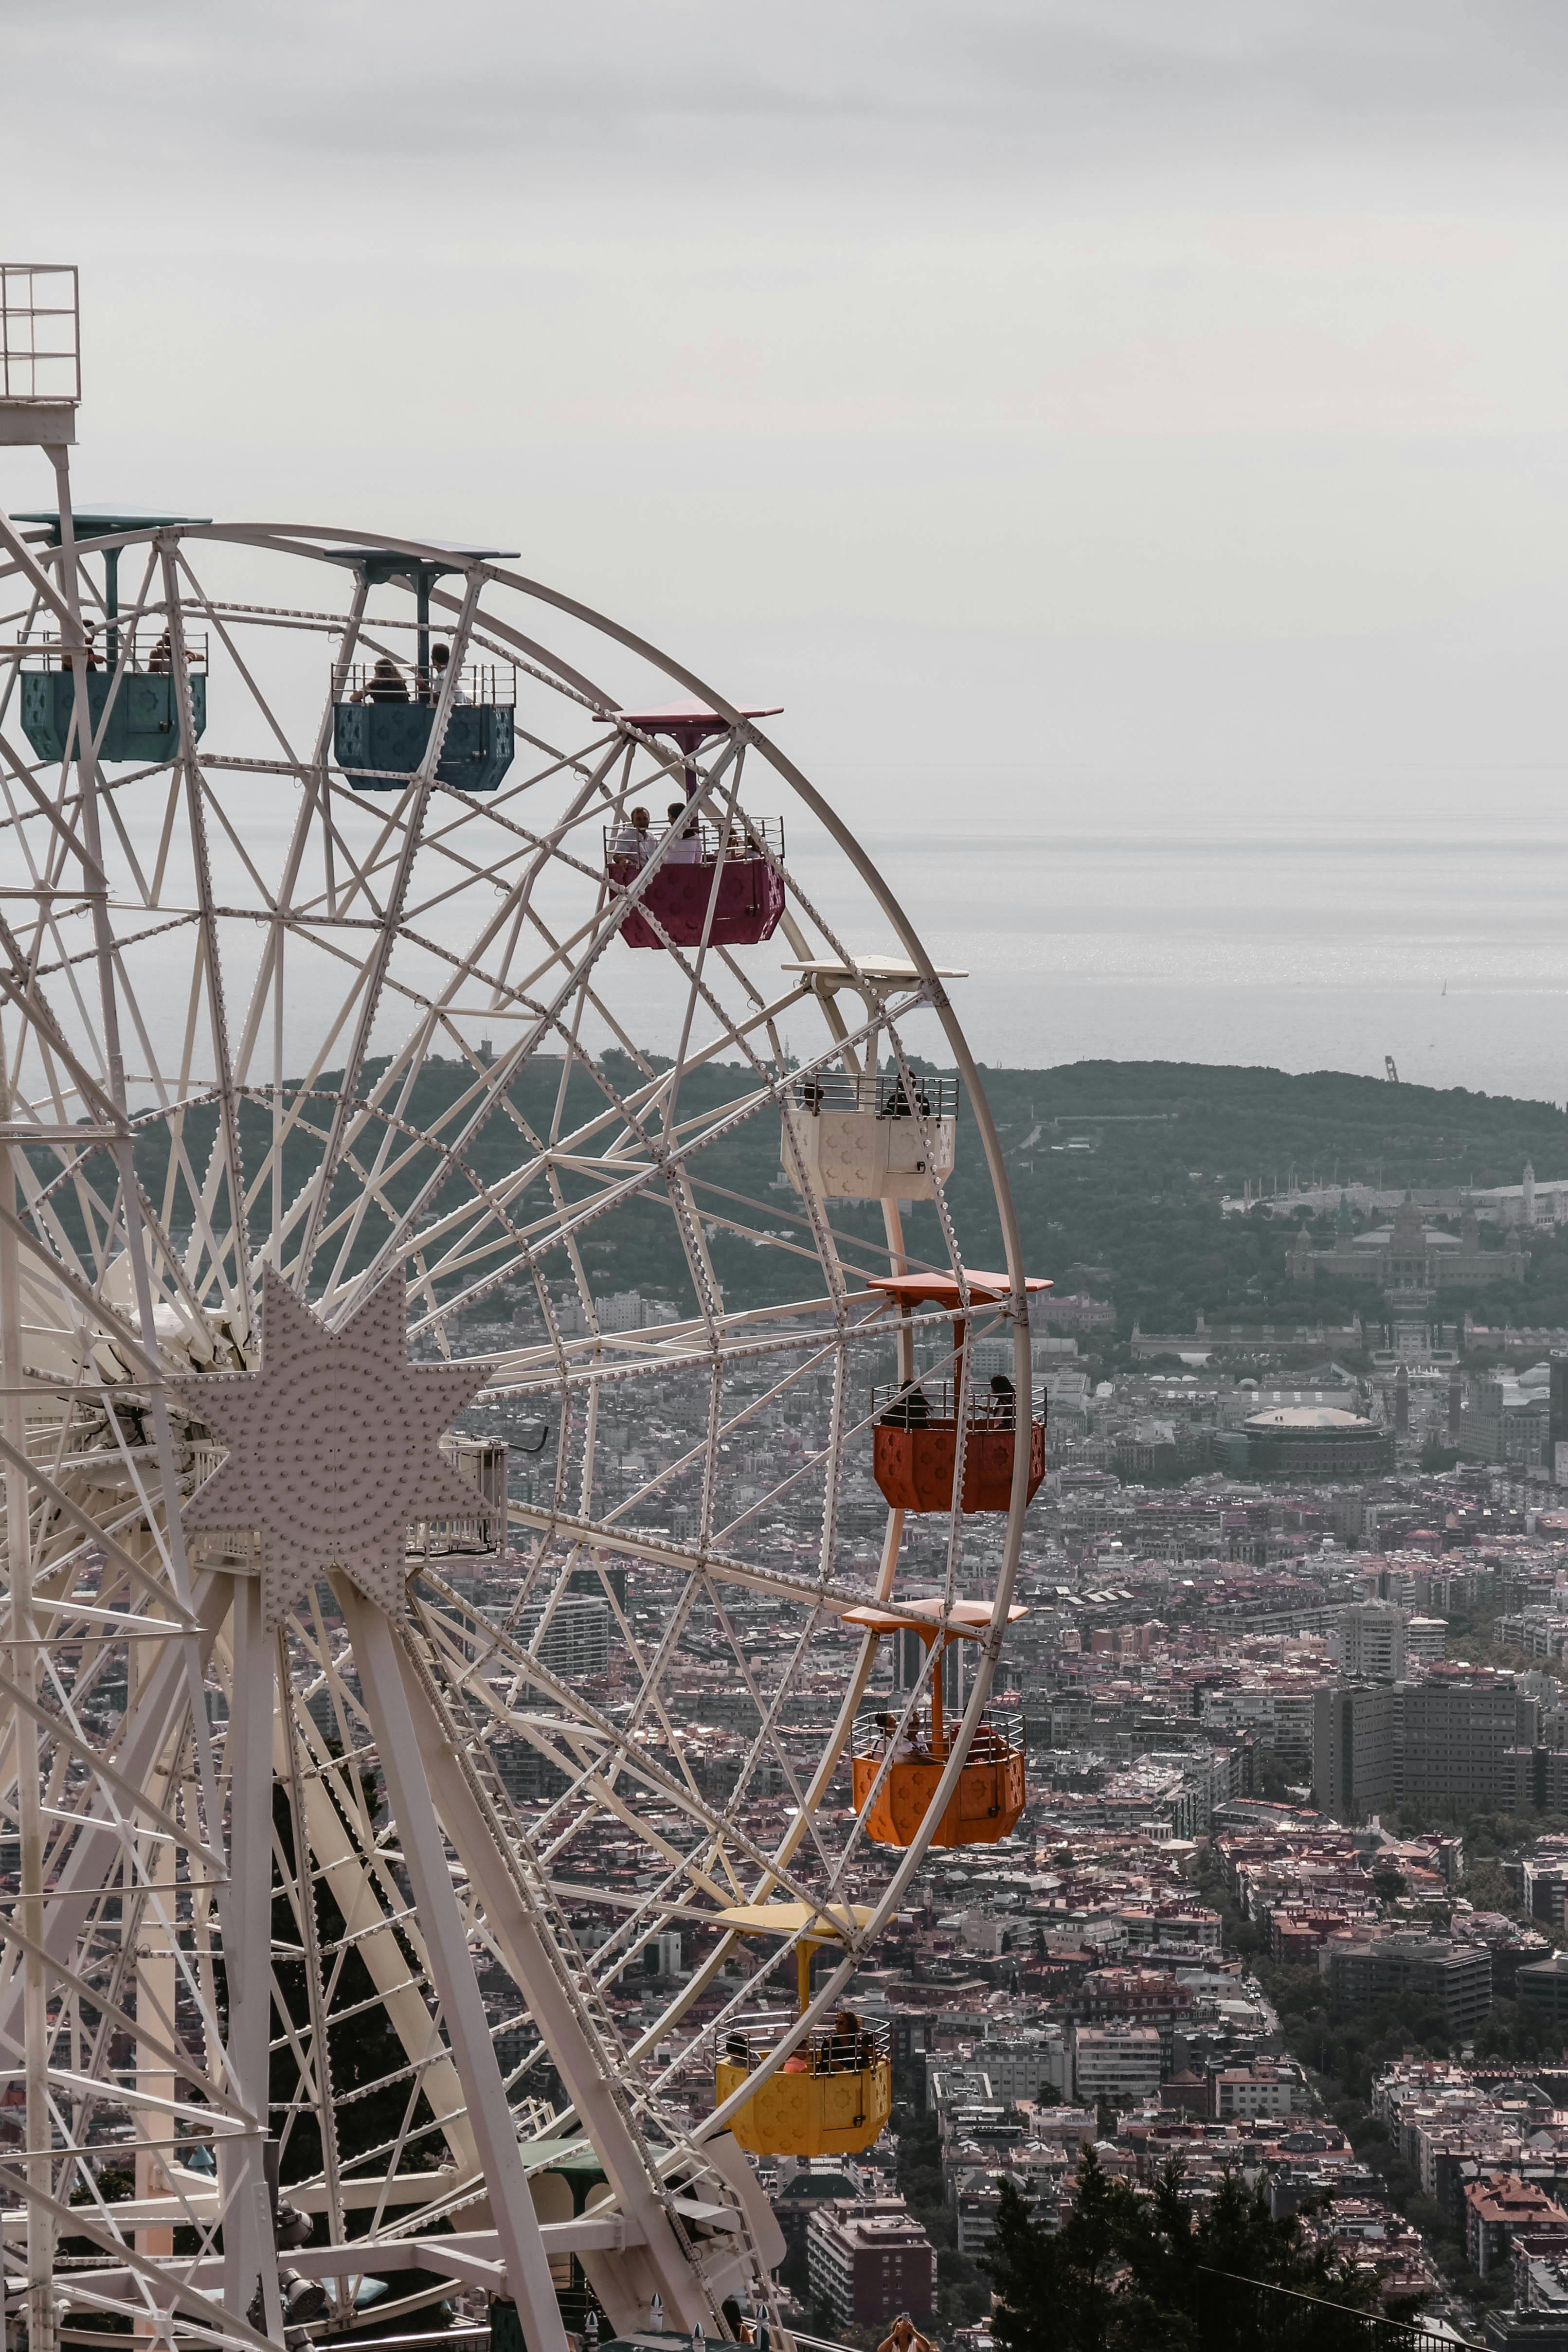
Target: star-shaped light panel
332 1445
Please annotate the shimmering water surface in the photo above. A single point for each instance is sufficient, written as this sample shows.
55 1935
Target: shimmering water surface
1264 945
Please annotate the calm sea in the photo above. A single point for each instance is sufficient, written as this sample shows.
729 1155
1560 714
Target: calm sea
1301 948
1296 934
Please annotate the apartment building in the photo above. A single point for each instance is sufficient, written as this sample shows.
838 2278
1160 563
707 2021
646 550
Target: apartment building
1368 1643
1240 2093
868 2259
1457 1978
1118 2063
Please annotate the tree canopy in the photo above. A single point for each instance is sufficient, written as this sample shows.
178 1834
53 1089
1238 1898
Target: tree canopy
1131 2272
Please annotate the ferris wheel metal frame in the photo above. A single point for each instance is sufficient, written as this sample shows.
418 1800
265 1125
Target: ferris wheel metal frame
149 1859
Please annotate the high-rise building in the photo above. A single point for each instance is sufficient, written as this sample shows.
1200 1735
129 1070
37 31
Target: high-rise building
1457 1977
1508 1421
1368 1644
1459 1727
1557 1425
1538 1780
1355 1747
1461 1732
575 1642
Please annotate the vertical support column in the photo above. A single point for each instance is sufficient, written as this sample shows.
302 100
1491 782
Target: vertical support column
43 2334
422 607
112 607
529 2282
154 2000
250 2254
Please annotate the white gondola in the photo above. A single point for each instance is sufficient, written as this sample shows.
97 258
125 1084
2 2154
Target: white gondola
874 1138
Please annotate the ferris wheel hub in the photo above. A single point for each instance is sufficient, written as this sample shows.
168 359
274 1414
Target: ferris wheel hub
333 1445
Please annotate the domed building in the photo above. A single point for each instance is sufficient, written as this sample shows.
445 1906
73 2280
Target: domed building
1309 1441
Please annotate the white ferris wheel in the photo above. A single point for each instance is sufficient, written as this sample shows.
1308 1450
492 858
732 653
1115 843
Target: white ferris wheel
357 1776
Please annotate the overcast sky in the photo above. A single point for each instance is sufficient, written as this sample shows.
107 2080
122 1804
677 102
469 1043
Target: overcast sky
1163 396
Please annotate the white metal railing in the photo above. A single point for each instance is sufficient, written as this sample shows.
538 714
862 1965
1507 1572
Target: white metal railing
929 1405
998 1734
628 846
825 2049
882 1092
40 343
145 650
489 685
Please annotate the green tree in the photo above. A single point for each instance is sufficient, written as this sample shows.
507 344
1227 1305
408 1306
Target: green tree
1149 2270
1060 2289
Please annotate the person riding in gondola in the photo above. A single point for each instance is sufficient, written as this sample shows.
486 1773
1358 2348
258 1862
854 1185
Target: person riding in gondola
385 684
910 1409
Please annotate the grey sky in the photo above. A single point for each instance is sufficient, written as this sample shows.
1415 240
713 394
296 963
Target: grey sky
1163 396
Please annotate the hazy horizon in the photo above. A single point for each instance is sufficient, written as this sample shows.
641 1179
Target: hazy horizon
1109 423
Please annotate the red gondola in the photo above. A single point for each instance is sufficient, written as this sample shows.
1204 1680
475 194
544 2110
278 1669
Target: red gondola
746 890
719 879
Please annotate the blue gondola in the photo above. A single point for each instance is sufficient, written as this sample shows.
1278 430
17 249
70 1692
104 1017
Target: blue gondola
383 710
136 715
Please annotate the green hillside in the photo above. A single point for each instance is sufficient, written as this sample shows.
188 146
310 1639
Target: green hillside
1117 1169
1170 1138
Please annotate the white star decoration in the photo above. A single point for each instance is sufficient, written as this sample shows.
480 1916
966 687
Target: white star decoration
333 1445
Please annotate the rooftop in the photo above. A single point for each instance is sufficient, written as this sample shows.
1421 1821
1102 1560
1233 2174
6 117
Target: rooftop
1307 1417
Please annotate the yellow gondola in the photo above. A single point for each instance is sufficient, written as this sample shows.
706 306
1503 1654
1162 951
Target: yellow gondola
835 2091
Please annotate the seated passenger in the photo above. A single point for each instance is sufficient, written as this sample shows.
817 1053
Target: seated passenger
1001 1407
736 2050
905 1744
160 661
906 1100
686 849
796 2063
910 1409
88 631
631 839
849 2038
810 1095
385 684
440 660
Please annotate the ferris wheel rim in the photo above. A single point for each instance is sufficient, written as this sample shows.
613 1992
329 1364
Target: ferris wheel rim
328 544
297 541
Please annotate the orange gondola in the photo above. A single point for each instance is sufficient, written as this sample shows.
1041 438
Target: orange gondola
989 1800
915 1443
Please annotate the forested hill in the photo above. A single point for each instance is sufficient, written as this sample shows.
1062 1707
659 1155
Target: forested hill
1135 1217
1117 1169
